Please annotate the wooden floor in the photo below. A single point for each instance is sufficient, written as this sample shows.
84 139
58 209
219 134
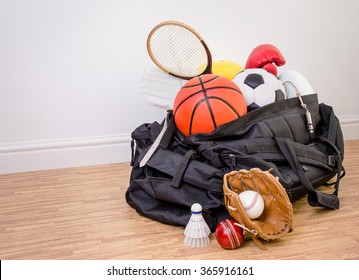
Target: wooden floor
81 213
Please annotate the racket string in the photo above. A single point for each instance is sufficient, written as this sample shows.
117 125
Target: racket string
179 51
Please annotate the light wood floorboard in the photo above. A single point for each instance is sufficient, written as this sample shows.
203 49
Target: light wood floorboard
81 213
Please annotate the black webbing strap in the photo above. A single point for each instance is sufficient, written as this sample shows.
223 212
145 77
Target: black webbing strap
167 136
177 178
338 159
315 197
272 148
330 141
332 130
132 152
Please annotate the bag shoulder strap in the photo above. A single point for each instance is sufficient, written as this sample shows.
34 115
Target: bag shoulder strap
315 197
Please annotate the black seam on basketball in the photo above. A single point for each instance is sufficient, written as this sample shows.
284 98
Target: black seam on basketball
204 90
205 99
193 112
210 80
225 102
184 100
208 89
225 87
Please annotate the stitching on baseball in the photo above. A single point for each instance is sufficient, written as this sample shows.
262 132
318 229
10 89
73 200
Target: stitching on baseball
254 201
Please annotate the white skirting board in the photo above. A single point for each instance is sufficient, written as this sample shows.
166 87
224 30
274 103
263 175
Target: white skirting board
24 157
350 127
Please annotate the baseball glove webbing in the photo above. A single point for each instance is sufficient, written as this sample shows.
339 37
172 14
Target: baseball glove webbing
277 217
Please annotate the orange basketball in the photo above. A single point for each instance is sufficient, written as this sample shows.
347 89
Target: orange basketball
205 102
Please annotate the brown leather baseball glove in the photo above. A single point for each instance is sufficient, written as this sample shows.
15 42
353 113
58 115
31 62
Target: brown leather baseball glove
277 217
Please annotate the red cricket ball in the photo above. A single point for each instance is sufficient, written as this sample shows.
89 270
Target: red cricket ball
229 235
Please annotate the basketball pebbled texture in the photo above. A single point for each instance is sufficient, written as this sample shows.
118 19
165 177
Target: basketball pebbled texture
206 102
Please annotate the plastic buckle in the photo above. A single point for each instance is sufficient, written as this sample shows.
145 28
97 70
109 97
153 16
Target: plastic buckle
331 160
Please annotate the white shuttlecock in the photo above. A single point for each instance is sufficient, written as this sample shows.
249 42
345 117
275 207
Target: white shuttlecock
197 231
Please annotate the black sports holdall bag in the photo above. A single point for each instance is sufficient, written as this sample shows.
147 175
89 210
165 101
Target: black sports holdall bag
299 140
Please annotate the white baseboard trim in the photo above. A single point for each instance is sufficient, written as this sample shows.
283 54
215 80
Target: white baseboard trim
33 156
350 126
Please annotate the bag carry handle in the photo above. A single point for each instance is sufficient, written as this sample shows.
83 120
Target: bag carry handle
177 178
315 197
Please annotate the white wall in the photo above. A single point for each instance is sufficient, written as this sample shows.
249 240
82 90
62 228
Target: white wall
70 71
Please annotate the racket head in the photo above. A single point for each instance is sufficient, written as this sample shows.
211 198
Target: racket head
179 50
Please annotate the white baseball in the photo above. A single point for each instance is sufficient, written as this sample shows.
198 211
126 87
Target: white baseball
253 203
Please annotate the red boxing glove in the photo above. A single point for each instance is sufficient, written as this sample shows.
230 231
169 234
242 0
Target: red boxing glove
265 56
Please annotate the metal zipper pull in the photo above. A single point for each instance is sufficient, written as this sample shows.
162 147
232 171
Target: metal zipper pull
308 115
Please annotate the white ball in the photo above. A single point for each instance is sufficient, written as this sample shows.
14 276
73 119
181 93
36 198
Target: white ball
253 203
259 87
296 81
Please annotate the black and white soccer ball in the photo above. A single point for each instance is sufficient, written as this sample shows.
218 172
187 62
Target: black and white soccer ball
259 87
